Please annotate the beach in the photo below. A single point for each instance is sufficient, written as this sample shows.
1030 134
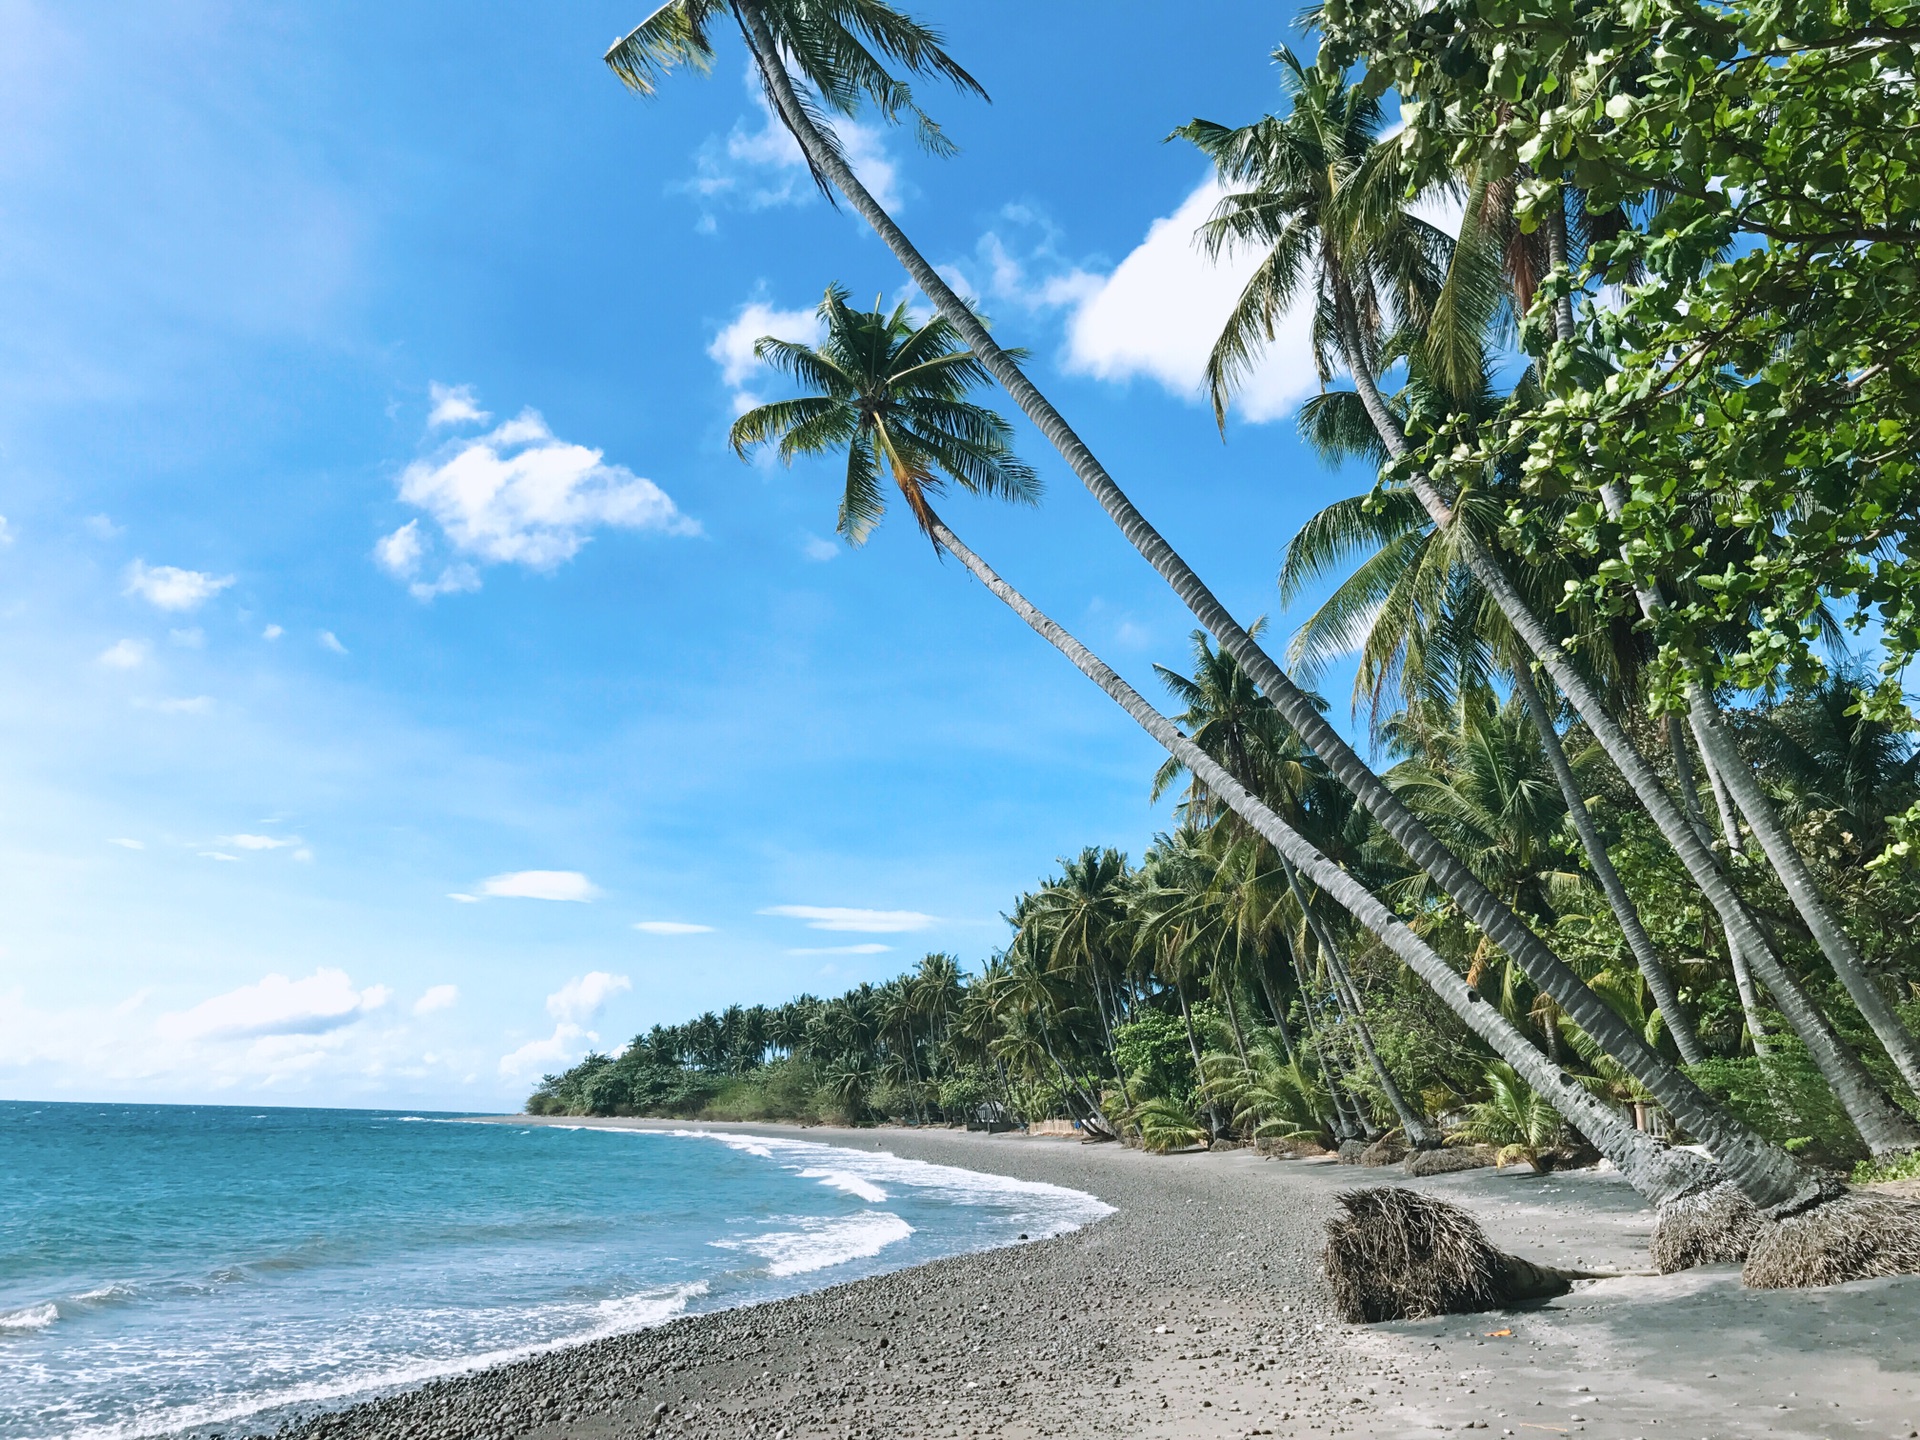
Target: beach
1196 1310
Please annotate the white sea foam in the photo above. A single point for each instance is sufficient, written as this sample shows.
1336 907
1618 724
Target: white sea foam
617 1315
843 1180
34 1317
821 1244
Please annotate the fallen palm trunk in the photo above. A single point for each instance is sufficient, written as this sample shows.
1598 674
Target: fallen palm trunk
1400 1255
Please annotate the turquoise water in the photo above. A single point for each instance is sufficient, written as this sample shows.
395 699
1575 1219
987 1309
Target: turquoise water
197 1269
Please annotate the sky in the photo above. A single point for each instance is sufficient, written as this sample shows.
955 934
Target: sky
406 688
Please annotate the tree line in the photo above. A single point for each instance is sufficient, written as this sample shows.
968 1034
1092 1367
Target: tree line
1643 452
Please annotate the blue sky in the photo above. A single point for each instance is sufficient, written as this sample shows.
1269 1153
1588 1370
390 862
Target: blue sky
388 630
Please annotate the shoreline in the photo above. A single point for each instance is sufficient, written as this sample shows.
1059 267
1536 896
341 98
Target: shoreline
1196 1310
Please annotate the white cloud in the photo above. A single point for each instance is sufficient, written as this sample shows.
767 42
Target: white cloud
332 642
6 531
437 997
671 927
399 553
817 550
168 587
127 844
1160 310
323 1001
520 495
123 654
187 705
761 169
732 347
868 922
101 527
868 949
556 1052
272 632
463 898
454 405
584 996
219 855
259 842
540 885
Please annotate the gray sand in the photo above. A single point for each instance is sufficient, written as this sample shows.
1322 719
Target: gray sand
1197 1311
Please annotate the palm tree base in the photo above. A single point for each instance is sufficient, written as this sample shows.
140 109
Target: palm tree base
1714 1226
1850 1237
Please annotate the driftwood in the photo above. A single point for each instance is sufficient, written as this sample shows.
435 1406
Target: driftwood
1399 1255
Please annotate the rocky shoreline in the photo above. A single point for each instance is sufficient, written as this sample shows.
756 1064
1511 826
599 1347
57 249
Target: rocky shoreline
1197 1310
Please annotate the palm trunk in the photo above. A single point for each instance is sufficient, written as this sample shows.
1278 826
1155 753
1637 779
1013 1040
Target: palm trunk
1718 751
1724 762
1319 1045
1742 973
1766 1174
1496 920
1193 1048
1419 1137
1887 1129
1652 967
1279 1019
1106 1025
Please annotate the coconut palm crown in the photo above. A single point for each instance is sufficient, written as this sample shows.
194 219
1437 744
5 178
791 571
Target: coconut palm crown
888 391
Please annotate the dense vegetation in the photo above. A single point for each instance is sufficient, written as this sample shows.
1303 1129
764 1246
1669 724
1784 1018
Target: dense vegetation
1636 849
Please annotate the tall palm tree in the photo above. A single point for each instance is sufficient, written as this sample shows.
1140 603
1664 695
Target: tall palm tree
1304 226
821 42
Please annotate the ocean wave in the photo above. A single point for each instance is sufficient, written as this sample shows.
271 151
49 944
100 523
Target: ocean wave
616 1315
821 1244
33 1317
844 1180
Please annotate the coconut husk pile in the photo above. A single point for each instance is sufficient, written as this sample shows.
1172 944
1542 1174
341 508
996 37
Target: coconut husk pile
1852 1237
1449 1158
1399 1255
1710 1226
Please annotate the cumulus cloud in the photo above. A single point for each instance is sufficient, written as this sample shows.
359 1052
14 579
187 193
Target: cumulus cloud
817 550
584 996
123 654
437 997
101 527
732 347
837 917
516 495
1158 313
331 641
671 927
168 587
325 1000
272 632
760 167
454 405
540 885
559 1050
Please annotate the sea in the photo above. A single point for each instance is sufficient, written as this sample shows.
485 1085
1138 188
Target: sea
202 1270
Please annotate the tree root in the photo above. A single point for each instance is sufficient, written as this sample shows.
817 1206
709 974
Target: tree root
1710 1226
1399 1255
1851 1237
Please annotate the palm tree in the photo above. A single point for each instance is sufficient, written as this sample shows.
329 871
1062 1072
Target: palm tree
834 61
840 70
1311 225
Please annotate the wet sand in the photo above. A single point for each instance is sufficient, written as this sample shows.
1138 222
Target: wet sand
1196 1311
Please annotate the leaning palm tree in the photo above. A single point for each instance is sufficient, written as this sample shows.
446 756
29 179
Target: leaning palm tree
1335 229
856 374
828 44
